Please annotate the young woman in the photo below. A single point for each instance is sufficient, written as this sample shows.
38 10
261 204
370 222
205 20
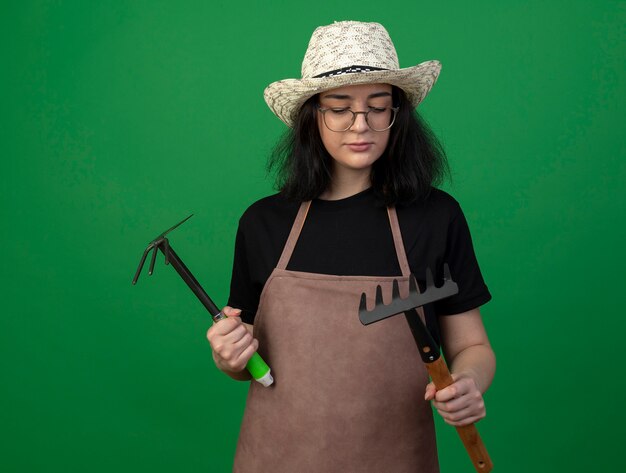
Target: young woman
357 208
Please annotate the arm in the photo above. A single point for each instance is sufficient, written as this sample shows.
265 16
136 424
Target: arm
233 344
472 364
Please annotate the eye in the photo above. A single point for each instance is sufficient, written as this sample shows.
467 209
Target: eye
378 109
339 111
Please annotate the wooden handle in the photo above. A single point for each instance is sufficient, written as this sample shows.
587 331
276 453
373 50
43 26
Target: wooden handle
475 448
441 377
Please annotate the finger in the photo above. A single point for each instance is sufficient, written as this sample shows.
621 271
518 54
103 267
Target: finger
448 393
240 345
250 350
463 407
457 416
473 398
236 334
226 326
456 390
222 343
242 359
230 346
454 405
229 355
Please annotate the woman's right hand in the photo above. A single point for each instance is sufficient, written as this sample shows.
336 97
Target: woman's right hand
232 342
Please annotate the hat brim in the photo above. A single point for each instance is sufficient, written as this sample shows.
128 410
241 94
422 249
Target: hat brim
285 97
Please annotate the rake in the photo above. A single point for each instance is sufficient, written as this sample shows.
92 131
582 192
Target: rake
429 350
256 366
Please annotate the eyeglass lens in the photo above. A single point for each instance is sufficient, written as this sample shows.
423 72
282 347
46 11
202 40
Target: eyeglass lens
378 119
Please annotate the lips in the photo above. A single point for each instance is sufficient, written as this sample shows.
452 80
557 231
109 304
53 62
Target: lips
360 146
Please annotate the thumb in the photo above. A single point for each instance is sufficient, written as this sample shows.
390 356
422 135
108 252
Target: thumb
429 394
231 311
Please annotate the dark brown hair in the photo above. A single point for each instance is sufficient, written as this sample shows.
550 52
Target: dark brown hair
413 162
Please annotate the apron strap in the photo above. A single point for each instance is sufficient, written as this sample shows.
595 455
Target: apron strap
397 241
296 228
401 253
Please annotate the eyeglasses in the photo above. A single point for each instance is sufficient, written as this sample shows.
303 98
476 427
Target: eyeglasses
342 119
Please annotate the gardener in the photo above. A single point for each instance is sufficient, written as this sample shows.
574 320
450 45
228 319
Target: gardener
357 207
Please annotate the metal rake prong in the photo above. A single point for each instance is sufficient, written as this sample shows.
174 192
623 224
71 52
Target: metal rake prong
379 296
153 260
430 282
395 290
363 303
413 289
446 272
142 262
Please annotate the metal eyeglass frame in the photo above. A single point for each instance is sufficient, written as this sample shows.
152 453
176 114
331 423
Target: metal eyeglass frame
354 114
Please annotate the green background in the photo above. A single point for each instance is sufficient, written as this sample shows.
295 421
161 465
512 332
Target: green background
121 118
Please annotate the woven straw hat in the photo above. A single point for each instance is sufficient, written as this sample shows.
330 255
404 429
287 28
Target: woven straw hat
349 53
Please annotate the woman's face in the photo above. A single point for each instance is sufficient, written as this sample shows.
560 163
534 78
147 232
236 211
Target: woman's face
359 146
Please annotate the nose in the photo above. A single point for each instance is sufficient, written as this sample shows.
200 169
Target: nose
360 123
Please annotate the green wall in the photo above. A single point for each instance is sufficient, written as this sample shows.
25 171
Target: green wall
120 118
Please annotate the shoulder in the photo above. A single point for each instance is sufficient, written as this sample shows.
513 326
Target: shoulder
268 211
438 206
272 206
428 224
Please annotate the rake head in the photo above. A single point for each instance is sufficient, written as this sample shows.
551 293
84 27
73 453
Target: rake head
415 299
159 242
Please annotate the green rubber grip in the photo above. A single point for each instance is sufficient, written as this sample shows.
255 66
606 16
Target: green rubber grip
257 366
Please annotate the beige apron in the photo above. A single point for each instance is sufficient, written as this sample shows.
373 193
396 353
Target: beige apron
346 397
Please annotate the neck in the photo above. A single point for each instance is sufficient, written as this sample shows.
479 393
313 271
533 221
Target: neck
346 183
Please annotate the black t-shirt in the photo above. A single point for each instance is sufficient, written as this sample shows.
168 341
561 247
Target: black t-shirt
353 237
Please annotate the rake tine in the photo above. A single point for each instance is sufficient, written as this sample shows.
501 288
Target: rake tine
141 263
379 296
430 283
395 290
446 272
413 285
153 260
363 303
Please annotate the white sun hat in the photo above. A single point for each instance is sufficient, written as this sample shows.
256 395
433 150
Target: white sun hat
349 53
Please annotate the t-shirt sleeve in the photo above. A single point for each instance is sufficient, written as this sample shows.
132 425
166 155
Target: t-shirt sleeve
242 292
461 258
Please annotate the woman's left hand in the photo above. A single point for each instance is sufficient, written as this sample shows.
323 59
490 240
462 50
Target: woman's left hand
459 404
